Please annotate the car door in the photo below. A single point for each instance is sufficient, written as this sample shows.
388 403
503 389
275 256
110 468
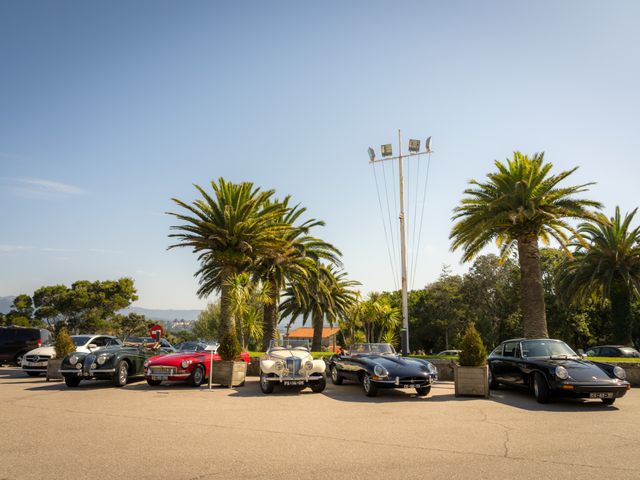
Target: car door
508 372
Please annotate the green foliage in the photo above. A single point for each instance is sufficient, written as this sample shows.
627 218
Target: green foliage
208 322
130 325
229 347
63 343
473 352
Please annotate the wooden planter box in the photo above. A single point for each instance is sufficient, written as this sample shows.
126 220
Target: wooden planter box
53 369
229 374
472 381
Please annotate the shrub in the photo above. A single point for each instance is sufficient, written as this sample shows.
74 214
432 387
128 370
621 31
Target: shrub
229 347
63 343
473 352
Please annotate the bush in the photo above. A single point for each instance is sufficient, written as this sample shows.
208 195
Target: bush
473 352
229 347
63 343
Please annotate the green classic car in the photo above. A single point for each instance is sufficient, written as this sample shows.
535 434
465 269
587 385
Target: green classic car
117 363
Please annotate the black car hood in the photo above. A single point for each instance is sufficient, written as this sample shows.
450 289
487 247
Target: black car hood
398 365
579 370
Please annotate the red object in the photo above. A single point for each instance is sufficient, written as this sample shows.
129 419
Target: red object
175 360
156 331
39 342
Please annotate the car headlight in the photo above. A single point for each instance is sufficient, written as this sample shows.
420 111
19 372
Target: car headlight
561 373
73 359
380 371
279 365
308 365
78 366
185 363
620 373
101 359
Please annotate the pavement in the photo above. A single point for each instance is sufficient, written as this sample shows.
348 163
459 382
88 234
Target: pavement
49 431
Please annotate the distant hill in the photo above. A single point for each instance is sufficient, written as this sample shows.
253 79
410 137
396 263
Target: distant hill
5 304
164 315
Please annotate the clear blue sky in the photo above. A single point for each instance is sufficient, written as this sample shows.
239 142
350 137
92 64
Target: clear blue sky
109 109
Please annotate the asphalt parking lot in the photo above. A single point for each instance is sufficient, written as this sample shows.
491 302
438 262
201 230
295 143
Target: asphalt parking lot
175 432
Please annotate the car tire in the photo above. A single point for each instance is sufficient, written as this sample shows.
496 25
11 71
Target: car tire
121 376
423 391
72 382
319 385
540 388
493 383
608 401
33 374
197 376
370 388
154 383
336 378
17 360
265 385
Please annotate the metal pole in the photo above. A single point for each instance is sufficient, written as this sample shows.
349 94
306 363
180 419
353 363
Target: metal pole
404 333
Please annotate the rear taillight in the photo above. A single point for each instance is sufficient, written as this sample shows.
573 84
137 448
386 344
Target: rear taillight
39 342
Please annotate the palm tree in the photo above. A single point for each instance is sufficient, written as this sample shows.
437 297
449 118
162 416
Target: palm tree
229 231
516 206
246 300
297 257
606 263
324 293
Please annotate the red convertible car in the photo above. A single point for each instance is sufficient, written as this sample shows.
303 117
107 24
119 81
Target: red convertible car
191 367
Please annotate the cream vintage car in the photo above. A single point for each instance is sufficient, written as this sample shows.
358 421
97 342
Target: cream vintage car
290 364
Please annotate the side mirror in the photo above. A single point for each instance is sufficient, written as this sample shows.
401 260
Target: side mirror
92 346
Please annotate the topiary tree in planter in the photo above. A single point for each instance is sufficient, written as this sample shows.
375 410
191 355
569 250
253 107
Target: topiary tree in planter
229 372
229 349
64 346
471 375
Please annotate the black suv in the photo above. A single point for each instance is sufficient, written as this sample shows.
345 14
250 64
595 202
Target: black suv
16 341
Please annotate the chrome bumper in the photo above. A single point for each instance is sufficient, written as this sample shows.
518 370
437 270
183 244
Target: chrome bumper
80 373
289 378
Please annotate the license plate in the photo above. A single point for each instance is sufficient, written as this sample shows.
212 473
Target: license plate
159 377
601 395
406 386
291 383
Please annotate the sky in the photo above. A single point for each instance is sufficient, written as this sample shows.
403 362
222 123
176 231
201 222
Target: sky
110 109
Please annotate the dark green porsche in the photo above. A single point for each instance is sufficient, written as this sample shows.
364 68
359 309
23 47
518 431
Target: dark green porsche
117 363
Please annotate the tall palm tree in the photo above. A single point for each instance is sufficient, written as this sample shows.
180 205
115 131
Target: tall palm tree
518 205
606 263
325 293
228 231
297 257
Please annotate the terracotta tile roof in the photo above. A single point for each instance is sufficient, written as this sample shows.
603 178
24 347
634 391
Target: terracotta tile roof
306 332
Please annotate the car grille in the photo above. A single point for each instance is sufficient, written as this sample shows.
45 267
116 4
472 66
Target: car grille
159 369
411 380
89 360
37 358
293 365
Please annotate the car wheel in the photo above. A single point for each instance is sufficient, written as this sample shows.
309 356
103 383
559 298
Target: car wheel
423 391
154 383
18 359
197 376
336 378
540 388
72 381
493 383
370 388
319 385
608 401
265 385
33 374
122 374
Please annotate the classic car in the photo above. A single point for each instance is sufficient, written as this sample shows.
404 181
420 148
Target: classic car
550 367
193 346
613 351
191 367
290 364
117 363
377 365
35 362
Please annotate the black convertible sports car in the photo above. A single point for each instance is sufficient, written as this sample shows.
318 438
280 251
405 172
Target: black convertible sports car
550 367
377 365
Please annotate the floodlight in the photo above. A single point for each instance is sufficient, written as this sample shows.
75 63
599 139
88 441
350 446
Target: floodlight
386 150
372 154
427 145
414 146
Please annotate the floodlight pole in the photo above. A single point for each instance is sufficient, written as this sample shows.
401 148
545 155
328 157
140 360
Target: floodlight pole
404 332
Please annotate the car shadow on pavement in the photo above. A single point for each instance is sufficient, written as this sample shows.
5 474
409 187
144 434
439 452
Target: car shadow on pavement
515 397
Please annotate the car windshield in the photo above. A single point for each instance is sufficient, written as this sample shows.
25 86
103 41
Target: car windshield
372 348
80 340
547 348
290 343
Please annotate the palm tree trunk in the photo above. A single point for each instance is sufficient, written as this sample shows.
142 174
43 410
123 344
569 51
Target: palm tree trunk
621 312
227 322
318 323
270 320
534 316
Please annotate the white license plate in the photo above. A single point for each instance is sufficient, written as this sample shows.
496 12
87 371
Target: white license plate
406 386
159 377
601 395
291 383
